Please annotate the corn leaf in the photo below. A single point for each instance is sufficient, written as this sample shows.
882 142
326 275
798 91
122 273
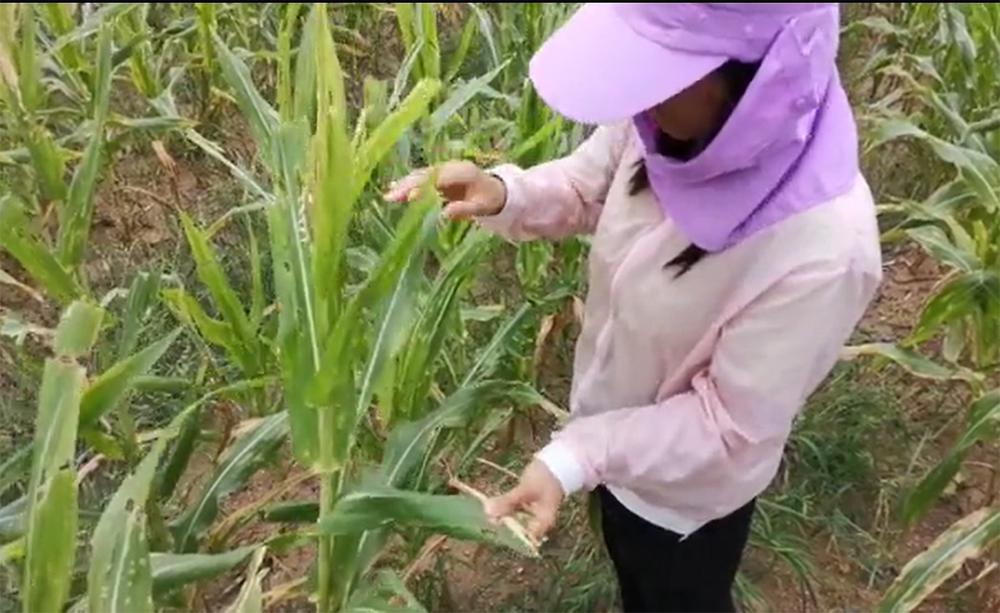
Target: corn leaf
303 96
261 115
333 168
410 444
51 543
177 461
78 330
982 424
461 52
17 238
258 300
430 50
942 249
210 273
52 504
385 136
432 327
386 593
175 465
47 161
219 333
390 284
75 217
910 360
455 515
126 585
966 539
406 18
461 96
140 298
237 464
298 333
15 467
963 294
172 570
120 576
489 355
291 512
11 519
107 389
978 169
215 151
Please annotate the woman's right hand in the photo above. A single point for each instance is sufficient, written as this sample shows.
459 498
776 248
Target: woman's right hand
468 191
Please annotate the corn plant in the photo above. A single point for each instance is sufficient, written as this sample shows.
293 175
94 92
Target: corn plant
350 324
345 335
71 406
52 261
508 123
959 126
956 225
57 110
51 511
942 72
106 422
935 63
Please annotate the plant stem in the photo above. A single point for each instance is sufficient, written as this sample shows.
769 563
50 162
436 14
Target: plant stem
328 491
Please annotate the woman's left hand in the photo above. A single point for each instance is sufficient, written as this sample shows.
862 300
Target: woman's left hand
538 492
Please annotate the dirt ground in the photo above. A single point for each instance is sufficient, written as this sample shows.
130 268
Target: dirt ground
136 222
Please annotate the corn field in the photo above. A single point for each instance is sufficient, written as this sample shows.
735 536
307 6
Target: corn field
284 362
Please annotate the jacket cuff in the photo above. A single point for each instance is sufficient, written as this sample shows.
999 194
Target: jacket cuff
503 220
559 458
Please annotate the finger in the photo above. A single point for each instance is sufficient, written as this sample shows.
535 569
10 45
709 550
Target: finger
461 209
542 519
505 504
405 188
451 174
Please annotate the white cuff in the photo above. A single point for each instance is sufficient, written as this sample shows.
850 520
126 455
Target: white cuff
562 462
510 210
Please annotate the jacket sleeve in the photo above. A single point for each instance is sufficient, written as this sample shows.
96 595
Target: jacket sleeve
739 410
563 197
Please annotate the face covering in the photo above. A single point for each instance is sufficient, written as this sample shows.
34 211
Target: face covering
789 144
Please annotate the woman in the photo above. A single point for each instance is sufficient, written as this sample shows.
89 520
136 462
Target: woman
735 248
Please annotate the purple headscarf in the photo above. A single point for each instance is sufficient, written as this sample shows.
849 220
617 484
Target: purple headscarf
790 143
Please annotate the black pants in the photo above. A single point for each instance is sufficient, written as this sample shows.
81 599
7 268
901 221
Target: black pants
659 572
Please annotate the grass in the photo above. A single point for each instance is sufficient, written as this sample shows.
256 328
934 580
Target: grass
829 533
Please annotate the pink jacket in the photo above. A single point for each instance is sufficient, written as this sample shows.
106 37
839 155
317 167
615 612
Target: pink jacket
685 389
